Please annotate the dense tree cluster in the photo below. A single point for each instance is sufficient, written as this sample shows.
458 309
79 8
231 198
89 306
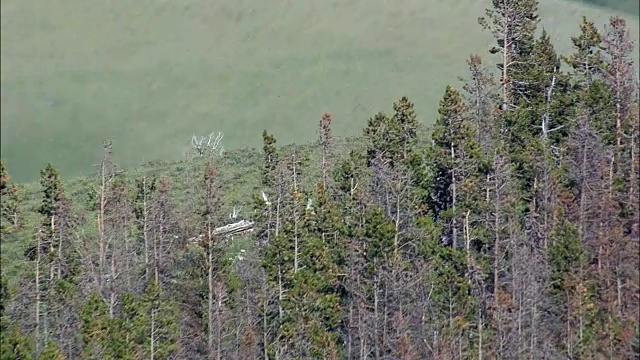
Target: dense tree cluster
511 231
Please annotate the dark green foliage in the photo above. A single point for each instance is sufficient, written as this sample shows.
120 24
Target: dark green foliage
392 139
161 321
457 164
377 236
52 193
14 344
513 24
587 61
270 160
95 330
51 352
8 204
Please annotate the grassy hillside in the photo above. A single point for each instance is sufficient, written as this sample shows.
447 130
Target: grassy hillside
150 73
239 176
629 6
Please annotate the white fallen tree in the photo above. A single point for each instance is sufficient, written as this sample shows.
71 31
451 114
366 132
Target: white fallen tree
223 232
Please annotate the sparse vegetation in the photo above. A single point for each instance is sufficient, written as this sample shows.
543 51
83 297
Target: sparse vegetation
150 74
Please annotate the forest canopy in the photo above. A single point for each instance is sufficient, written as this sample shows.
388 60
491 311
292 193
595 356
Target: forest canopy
509 229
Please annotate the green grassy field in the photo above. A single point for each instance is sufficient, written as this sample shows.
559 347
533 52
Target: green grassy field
629 6
150 73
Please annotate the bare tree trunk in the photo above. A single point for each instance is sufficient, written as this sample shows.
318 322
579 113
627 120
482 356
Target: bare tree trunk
103 201
296 251
210 304
38 330
145 227
454 199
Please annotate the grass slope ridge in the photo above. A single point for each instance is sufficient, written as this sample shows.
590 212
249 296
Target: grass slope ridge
150 73
239 171
629 6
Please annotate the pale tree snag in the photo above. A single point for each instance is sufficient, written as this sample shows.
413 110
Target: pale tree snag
207 145
211 204
107 174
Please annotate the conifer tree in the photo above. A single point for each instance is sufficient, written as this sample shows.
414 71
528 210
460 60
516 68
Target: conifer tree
458 164
513 25
621 185
9 206
572 292
393 139
317 288
481 99
267 203
161 323
211 246
14 344
50 252
270 159
587 61
325 140
95 330
51 352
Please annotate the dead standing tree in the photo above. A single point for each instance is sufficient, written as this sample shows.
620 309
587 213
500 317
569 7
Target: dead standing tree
204 145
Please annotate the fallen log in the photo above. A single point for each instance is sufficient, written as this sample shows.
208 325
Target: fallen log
240 227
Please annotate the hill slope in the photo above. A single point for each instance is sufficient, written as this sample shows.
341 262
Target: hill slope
629 6
150 73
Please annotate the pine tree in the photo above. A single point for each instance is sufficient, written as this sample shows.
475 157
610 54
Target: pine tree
161 323
481 100
267 202
316 289
270 160
211 246
587 61
458 165
393 139
127 332
513 24
51 352
50 253
571 291
9 206
95 330
325 140
621 184
14 344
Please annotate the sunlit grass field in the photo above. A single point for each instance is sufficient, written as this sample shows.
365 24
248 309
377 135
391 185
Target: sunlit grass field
150 73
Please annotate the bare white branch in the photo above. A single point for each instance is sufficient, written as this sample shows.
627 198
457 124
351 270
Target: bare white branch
204 145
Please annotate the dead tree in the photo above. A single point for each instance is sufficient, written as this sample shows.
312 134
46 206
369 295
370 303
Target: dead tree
204 145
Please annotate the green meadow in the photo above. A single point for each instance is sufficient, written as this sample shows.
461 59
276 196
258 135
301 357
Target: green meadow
148 74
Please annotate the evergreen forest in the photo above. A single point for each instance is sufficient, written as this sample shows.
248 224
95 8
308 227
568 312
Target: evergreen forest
509 228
